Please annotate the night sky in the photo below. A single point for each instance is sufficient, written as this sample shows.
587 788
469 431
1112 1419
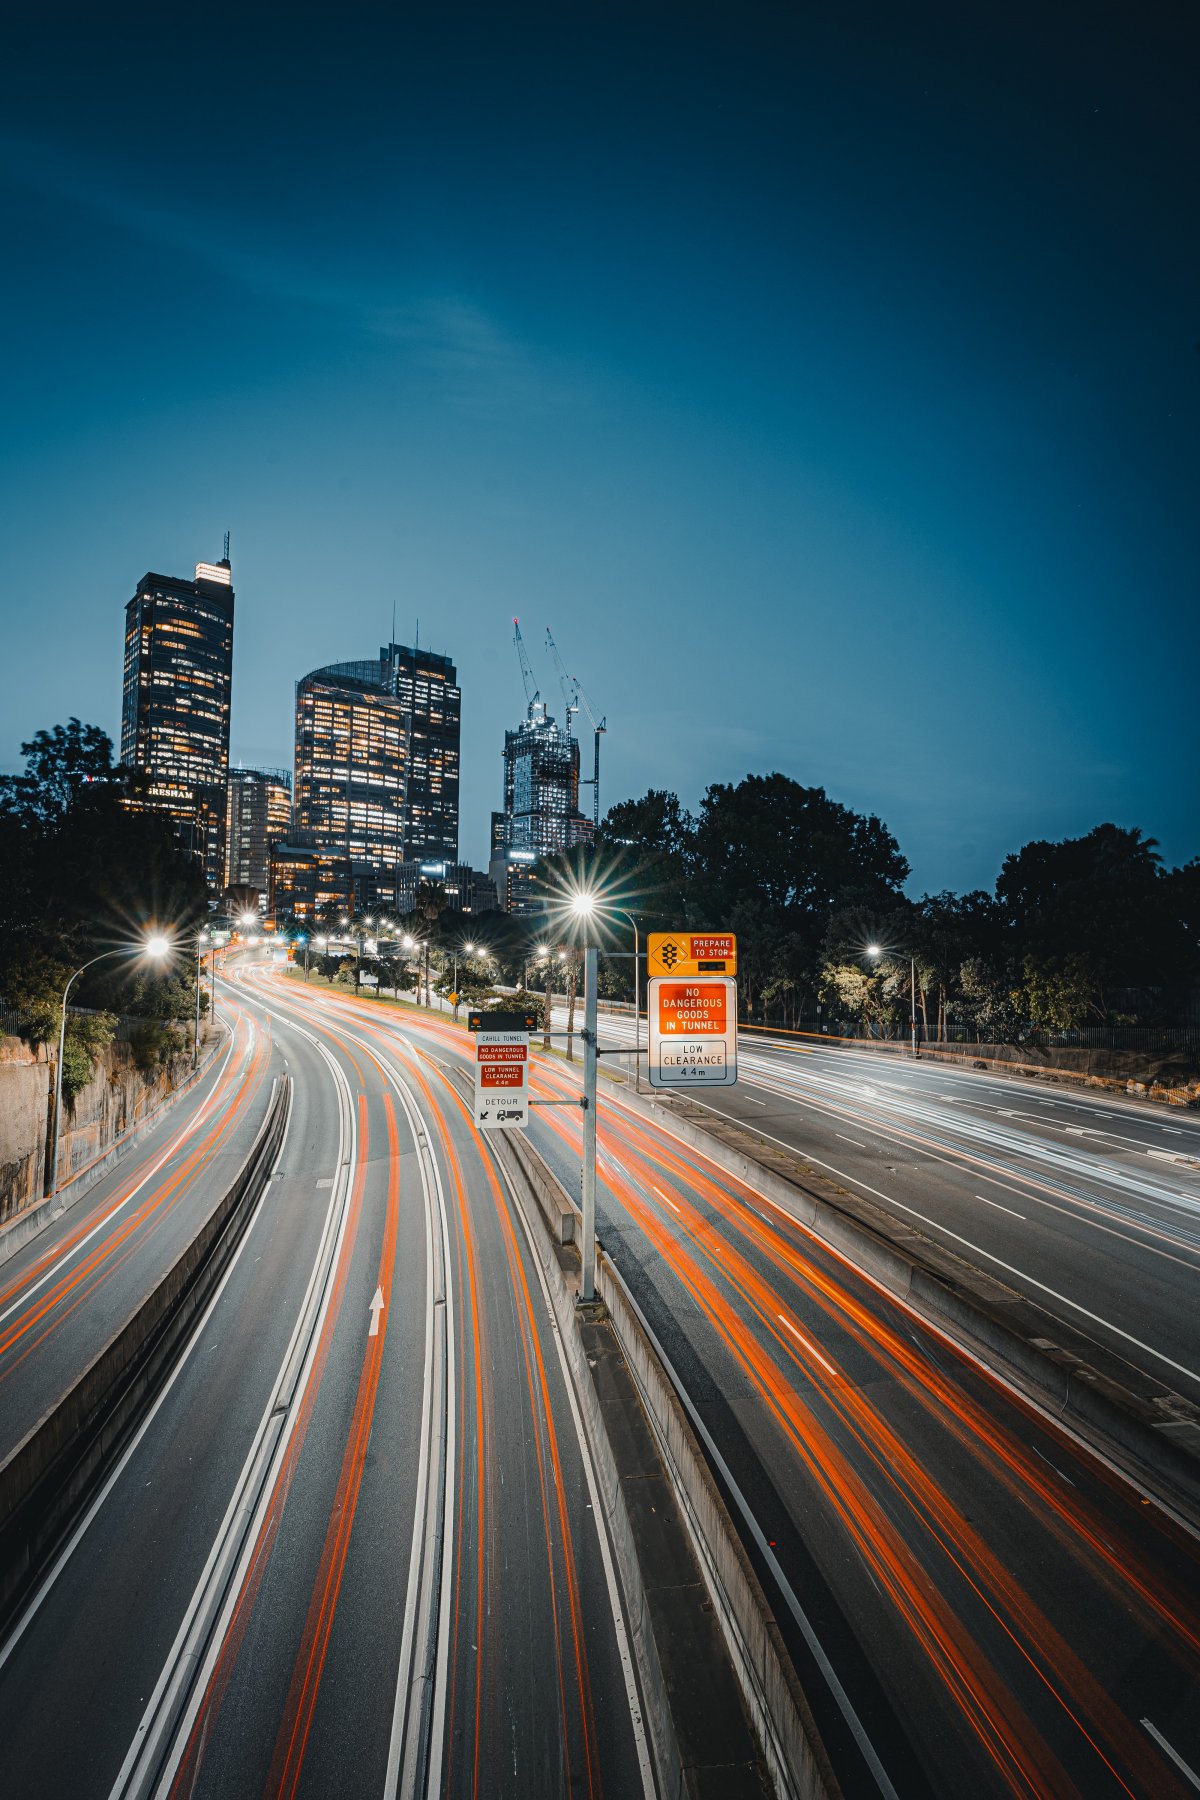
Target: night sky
826 377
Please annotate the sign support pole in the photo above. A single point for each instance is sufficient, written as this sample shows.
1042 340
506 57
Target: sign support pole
590 1066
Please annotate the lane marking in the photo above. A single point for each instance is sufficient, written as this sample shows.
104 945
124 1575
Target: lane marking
999 1208
846 1140
663 1196
376 1308
624 1649
857 1181
1174 1755
68 1549
808 1344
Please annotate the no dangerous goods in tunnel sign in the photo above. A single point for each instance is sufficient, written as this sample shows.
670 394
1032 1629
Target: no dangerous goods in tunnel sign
691 953
693 1032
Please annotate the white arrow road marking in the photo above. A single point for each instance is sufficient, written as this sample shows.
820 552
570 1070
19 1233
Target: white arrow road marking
376 1309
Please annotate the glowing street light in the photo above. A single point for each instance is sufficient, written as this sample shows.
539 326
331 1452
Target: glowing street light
875 951
155 947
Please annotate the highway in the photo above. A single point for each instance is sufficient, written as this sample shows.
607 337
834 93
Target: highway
1085 1203
977 1605
65 1292
358 1532
355 1546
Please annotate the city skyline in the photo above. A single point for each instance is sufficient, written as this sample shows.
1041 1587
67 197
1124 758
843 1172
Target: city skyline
828 386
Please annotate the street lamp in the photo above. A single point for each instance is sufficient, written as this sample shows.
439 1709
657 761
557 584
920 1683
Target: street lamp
875 951
582 906
156 948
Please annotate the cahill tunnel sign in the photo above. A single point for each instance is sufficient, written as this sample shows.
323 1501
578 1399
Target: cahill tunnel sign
693 1032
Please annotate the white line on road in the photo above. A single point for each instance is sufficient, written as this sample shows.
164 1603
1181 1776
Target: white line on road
1174 1755
999 1208
662 1196
846 1140
936 1225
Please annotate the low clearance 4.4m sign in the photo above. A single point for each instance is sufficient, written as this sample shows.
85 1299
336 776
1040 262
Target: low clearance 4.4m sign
693 1032
501 1079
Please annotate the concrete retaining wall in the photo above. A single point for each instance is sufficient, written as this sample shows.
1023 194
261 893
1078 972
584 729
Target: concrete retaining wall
117 1100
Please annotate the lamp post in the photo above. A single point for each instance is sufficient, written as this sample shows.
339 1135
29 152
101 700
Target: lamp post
155 947
875 951
201 939
582 906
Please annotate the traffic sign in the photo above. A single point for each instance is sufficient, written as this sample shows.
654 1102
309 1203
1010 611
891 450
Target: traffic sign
693 1032
691 953
502 1021
501 1079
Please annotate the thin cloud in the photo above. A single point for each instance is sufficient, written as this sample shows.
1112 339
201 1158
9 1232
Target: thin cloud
470 361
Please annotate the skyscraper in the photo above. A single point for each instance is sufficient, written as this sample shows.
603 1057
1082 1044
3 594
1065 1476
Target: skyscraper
541 804
175 702
377 762
260 814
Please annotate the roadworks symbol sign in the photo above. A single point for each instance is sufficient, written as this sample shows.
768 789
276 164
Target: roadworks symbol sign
691 953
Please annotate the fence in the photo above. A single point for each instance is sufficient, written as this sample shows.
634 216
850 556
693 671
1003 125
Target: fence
1143 1038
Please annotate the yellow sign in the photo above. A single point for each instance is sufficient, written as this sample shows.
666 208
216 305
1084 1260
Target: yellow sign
691 953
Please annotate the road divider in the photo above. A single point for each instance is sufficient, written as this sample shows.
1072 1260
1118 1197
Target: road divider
48 1478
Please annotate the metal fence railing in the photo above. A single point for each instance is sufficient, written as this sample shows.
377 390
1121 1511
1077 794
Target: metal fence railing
1140 1038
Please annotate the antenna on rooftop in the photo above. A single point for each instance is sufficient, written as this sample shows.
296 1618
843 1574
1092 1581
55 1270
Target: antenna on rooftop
226 556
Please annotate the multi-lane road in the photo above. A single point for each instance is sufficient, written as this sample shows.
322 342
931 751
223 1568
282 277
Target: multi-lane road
357 1546
1085 1203
359 1530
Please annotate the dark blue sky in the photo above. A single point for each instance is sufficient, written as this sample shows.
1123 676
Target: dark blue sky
828 383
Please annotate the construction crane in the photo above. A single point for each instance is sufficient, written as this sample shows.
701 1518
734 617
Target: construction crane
570 702
532 692
598 726
577 701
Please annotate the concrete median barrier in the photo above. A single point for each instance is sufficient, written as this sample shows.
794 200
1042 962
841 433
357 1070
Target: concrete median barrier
47 1480
689 1730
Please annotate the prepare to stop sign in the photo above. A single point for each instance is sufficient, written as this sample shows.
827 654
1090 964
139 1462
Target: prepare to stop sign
693 1032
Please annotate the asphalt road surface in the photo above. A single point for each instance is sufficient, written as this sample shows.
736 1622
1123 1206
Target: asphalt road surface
1087 1204
356 1546
977 1604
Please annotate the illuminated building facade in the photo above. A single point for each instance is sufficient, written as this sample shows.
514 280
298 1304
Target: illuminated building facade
175 703
467 890
305 882
377 762
259 814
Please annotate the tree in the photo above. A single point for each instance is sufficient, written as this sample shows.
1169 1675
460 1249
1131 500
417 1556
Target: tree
770 860
85 868
59 764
